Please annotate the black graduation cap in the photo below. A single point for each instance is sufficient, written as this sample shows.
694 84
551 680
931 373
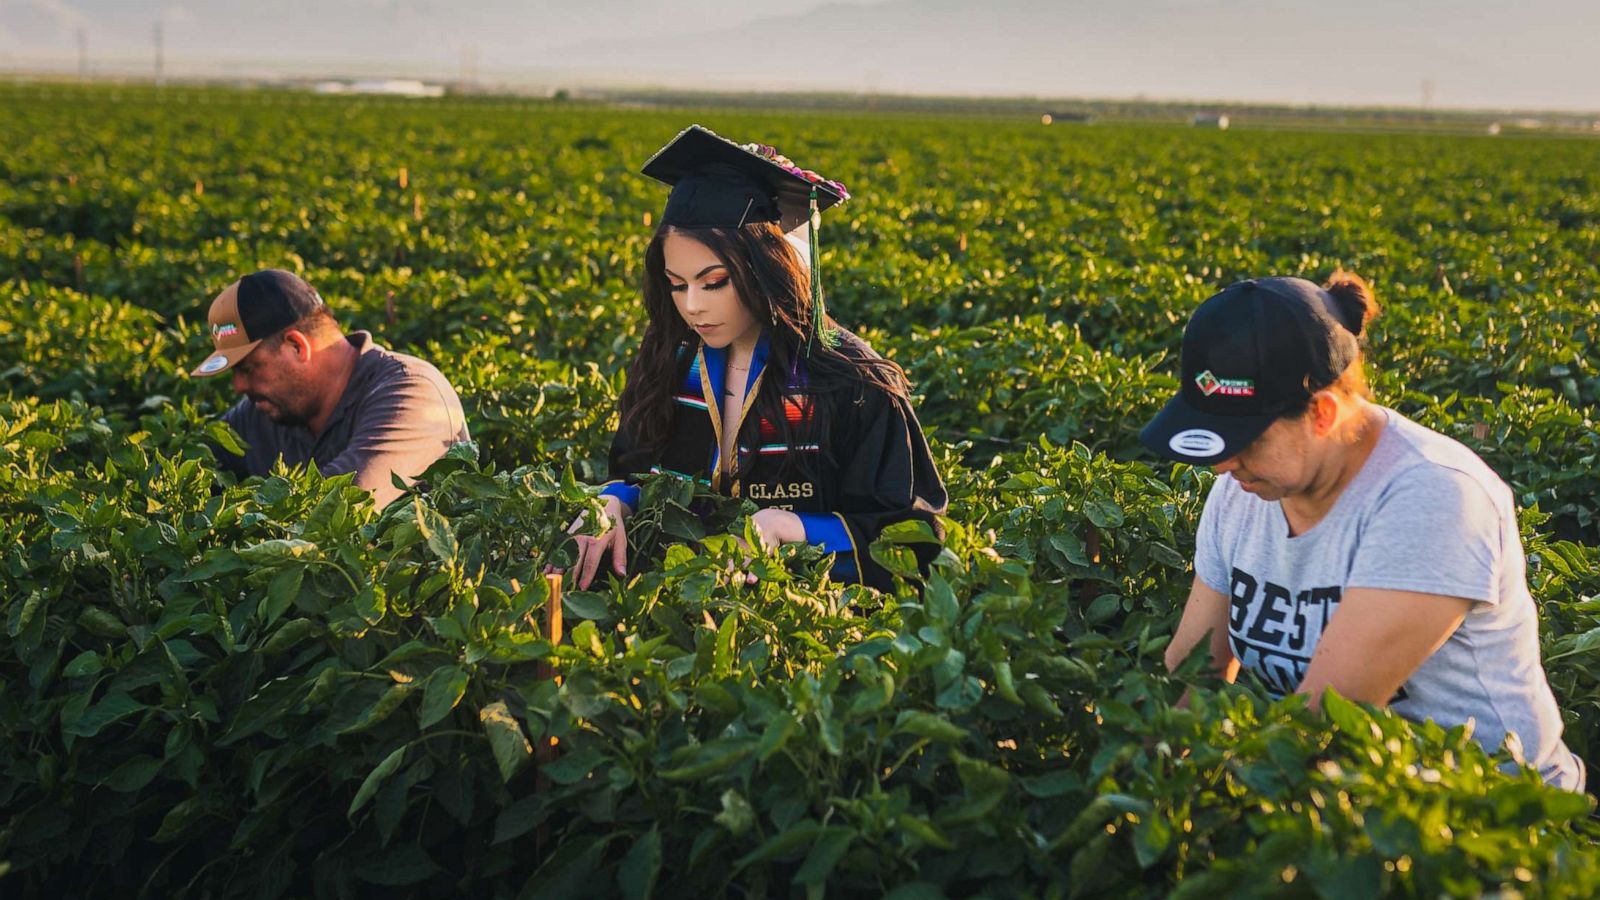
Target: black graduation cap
717 183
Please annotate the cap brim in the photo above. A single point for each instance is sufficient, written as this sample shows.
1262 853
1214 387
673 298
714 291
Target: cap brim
223 360
1184 434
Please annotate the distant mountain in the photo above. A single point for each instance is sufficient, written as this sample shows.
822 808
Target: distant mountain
1475 52
396 31
1538 53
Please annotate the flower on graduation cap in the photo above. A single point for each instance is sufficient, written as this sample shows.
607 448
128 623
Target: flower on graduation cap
771 154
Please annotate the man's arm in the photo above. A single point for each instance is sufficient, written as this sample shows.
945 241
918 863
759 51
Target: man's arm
404 426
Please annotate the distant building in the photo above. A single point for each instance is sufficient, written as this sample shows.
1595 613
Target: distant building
1493 129
1067 118
1218 121
391 87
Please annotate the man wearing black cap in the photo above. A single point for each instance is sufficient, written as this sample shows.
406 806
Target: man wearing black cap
315 395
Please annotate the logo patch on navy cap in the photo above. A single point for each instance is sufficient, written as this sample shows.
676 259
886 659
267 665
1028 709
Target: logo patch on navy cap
1196 443
1228 387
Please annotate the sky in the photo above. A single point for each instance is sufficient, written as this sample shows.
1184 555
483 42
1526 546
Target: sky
1538 54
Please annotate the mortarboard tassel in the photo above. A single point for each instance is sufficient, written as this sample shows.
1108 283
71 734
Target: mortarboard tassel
819 310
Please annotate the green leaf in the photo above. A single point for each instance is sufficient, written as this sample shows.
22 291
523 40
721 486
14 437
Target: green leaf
374 780
522 817
371 602
825 854
984 787
381 708
218 562
1350 718
222 435
179 820
915 890
777 733
1052 784
573 767
924 831
782 844
281 593
943 608
637 873
443 690
401 865
737 815
506 738
586 605
585 636
928 725
266 707
292 635
436 531
113 708
134 774
726 652
277 552
1151 838
22 613
1103 513
711 758
86 663
99 622
410 651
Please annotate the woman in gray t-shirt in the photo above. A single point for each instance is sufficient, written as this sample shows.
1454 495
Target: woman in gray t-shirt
1329 502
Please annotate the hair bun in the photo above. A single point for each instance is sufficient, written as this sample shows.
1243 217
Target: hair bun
1357 306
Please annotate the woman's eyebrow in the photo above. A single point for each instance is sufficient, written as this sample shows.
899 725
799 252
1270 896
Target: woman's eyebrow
700 274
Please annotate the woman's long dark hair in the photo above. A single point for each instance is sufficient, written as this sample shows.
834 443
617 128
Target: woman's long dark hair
775 286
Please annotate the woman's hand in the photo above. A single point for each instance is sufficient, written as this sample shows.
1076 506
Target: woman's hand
774 528
613 537
777 527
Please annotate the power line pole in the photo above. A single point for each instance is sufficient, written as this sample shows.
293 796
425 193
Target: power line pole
161 78
1427 98
83 53
469 66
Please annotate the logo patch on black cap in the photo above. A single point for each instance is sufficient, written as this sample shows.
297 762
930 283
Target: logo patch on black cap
1228 387
1196 443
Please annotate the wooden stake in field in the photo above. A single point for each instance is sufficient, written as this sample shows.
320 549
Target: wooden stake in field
544 751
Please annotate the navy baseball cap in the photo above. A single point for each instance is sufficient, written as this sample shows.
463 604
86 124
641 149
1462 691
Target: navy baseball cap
1251 353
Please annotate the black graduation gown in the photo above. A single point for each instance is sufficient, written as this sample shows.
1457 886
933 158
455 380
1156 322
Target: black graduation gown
868 468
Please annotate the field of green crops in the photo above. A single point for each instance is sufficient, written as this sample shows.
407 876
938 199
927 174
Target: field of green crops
271 689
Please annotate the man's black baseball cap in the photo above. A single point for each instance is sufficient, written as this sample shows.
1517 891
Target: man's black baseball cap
251 309
1254 351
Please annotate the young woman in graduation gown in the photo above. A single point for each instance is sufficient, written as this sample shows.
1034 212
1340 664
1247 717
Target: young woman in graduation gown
745 384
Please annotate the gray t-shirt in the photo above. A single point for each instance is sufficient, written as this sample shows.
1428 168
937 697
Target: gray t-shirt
397 415
1424 514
